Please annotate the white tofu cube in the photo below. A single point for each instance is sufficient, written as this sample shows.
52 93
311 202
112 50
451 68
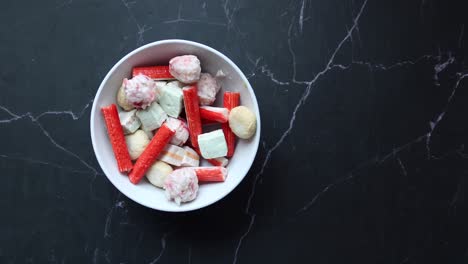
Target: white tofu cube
171 100
152 117
213 144
129 121
158 85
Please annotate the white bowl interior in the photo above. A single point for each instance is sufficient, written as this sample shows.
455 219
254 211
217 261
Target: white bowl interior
159 53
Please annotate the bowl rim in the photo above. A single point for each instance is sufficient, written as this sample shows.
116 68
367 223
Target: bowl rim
199 45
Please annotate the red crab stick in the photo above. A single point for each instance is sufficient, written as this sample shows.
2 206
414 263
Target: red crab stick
221 161
152 151
231 100
154 72
211 174
193 113
218 114
206 122
117 138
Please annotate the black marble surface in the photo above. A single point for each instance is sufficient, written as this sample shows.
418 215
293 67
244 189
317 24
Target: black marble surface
364 117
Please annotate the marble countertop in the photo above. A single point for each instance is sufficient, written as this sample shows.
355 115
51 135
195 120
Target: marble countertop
364 108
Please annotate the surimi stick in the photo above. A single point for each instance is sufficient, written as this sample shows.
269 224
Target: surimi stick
152 151
154 72
231 100
211 174
117 139
172 154
191 158
193 113
218 114
221 161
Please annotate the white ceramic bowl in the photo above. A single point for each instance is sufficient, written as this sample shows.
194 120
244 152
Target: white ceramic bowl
159 53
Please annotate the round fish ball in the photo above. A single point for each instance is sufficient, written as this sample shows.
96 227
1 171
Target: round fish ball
181 185
122 100
185 68
136 143
242 122
158 172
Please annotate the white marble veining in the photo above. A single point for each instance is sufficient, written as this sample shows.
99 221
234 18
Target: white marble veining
285 134
64 4
141 28
301 16
241 239
396 150
402 166
118 214
163 248
119 204
180 19
264 70
47 163
229 13
95 256
439 67
35 120
433 124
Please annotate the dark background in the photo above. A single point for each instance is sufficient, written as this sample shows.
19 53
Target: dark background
364 124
